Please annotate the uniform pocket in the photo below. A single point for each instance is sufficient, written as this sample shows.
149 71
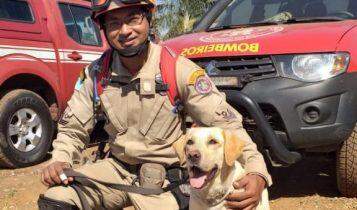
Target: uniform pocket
80 110
114 106
170 123
159 123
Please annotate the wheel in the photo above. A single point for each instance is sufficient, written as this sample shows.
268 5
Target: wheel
26 129
347 166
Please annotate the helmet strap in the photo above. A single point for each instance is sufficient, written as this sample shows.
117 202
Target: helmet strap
134 51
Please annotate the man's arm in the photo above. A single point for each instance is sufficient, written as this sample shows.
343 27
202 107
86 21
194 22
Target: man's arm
76 123
73 132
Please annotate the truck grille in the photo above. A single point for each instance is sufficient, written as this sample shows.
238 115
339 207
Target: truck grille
247 69
271 114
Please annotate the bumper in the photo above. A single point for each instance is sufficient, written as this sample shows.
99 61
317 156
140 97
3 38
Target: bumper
314 114
270 138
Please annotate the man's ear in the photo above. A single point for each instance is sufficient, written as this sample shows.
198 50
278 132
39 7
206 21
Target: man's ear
179 147
233 146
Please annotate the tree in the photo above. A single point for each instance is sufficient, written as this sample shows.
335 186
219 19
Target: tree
175 17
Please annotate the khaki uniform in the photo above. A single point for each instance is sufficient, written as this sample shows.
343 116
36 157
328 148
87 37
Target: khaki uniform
143 127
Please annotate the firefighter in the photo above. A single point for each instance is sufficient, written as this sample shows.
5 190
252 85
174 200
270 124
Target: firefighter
143 121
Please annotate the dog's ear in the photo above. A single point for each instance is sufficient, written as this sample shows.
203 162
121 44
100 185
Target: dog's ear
233 146
179 147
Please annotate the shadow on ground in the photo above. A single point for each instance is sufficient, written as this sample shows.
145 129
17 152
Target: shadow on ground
313 175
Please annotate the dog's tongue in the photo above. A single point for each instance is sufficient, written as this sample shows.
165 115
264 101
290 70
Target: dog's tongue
197 182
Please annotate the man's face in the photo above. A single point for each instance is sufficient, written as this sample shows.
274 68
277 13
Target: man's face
126 27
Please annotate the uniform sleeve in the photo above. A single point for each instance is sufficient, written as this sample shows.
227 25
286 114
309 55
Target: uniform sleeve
75 124
207 106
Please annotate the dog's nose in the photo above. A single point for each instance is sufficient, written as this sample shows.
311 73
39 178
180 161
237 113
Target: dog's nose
194 156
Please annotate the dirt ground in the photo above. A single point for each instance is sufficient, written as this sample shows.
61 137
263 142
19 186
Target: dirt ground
310 184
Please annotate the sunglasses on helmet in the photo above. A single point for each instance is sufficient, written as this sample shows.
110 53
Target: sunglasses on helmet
98 5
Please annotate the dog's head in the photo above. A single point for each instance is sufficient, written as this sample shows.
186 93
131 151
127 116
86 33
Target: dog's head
207 150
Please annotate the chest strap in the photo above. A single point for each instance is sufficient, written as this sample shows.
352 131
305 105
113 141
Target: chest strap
135 85
168 61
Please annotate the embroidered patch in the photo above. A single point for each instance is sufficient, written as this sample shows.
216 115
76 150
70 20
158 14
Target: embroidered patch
147 87
81 78
67 114
194 76
203 85
82 74
228 115
79 84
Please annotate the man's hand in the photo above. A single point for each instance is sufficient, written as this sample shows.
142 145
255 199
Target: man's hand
253 185
50 175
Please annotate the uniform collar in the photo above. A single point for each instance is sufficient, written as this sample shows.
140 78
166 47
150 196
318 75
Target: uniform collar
146 74
119 70
148 71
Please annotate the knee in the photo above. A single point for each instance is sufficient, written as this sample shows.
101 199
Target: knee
56 198
61 193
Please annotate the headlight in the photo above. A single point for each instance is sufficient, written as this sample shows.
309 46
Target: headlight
312 67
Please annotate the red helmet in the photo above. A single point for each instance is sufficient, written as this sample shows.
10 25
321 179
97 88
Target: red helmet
101 7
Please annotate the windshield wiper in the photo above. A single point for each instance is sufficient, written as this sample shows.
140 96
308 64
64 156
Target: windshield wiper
311 19
242 25
287 21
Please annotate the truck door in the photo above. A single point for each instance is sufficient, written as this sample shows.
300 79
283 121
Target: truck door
81 41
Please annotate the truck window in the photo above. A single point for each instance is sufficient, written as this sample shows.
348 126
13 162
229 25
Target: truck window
242 12
16 10
79 25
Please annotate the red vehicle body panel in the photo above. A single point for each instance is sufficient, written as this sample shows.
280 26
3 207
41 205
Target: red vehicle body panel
271 40
42 48
349 44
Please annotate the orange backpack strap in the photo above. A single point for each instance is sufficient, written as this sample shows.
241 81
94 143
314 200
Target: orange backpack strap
168 73
168 62
102 74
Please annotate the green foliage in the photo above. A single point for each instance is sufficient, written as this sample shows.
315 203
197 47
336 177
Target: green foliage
175 17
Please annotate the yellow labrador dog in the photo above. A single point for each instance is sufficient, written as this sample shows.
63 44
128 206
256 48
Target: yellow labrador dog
210 154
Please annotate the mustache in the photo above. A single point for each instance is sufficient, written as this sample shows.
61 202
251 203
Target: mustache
123 38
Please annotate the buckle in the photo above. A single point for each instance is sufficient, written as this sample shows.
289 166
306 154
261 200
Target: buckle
175 175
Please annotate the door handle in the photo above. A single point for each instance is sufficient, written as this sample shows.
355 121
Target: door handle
75 56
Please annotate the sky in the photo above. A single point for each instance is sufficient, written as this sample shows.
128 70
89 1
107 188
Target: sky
159 1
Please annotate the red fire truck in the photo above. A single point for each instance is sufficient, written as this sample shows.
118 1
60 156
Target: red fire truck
43 46
290 67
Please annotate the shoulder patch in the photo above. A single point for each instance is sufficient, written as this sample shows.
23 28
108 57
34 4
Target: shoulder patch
203 85
78 85
227 114
194 76
82 74
81 78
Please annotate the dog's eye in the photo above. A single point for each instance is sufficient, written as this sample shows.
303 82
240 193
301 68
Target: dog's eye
189 142
212 141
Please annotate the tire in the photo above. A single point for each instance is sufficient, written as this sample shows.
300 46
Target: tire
26 129
347 166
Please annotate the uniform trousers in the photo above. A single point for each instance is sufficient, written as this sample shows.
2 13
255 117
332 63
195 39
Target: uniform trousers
109 170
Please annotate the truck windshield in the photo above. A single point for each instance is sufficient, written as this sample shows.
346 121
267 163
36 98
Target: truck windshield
263 12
